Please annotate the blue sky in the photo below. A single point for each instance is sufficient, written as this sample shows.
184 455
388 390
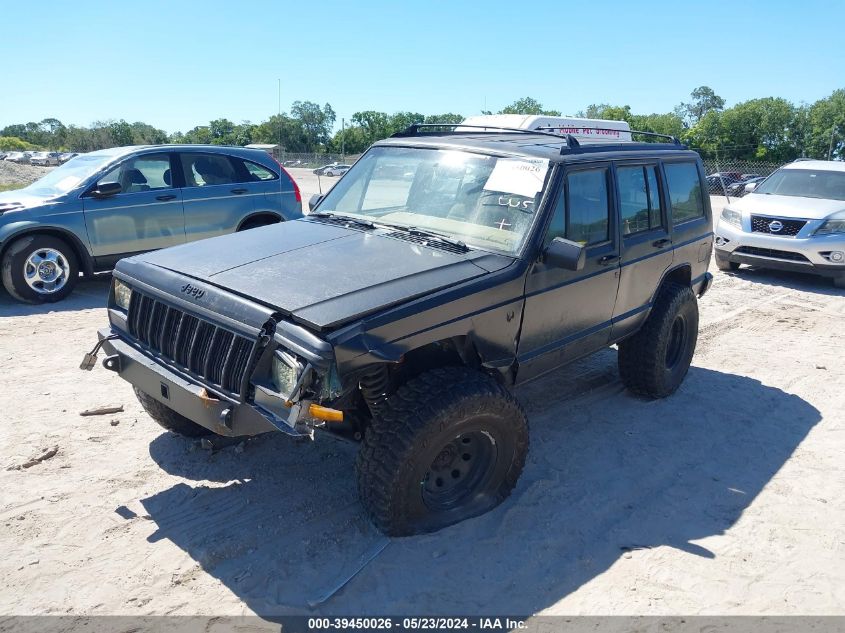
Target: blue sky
179 64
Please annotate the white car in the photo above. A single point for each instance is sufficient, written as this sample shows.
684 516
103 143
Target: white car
336 170
793 220
44 159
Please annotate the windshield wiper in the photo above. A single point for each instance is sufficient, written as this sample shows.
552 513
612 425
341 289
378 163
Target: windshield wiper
431 235
343 218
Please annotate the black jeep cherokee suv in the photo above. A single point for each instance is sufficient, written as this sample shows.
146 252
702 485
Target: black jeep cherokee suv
444 268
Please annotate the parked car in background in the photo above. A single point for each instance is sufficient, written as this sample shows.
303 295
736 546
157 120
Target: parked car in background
321 171
336 170
66 156
750 176
738 190
88 213
717 183
794 220
3 155
45 159
19 157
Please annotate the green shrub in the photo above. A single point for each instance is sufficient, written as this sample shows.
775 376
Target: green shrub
14 144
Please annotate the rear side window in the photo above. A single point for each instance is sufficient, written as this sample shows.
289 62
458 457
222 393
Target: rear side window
203 170
685 193
587 205
639 198
254 172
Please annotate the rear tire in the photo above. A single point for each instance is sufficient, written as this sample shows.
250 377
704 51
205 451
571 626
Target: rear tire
726 265
168 418
655 360
39 269
450 444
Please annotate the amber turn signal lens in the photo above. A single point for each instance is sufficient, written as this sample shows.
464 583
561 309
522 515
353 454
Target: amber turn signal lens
324 413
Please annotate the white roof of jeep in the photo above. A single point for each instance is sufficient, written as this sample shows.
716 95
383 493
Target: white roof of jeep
596 130
825 165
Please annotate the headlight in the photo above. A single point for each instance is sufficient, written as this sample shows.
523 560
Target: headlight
122 294
286 370
831 227
732 217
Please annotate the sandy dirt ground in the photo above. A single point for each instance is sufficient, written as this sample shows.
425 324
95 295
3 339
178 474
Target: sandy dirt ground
726 498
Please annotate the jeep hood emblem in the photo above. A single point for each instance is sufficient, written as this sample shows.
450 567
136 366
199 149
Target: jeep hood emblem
192 291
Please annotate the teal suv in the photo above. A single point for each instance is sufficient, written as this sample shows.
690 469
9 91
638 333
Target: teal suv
102 206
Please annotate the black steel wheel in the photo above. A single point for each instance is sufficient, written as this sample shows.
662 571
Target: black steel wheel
448 445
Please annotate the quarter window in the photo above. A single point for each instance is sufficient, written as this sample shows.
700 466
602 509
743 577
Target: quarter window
587 204
639 199
684 188
202 170
257 172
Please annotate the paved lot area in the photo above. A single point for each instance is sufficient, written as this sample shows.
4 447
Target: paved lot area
726 498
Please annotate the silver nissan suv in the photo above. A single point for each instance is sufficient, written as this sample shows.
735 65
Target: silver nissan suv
793 220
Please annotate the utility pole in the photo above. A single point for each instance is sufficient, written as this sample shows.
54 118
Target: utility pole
279 149
343 141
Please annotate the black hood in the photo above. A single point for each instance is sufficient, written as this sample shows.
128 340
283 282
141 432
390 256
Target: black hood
319 274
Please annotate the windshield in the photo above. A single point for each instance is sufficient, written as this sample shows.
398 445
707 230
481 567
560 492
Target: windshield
487 202
63 179
805 183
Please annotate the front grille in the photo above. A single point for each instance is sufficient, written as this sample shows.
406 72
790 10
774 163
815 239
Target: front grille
770 252
212 353
788 228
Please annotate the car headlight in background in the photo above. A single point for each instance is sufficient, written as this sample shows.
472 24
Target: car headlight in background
732 217
122 294
831 227
286 371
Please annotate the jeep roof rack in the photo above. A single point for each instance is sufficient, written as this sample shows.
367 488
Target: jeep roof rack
572 143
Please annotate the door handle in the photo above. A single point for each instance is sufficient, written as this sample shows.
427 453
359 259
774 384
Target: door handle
239 190
164 198
661 242
608 259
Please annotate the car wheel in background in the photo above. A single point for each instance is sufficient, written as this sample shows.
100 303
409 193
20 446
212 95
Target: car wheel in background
254 223
168 418
726 265
39 269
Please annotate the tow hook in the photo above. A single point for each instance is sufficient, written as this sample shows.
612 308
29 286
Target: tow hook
112 363
90 358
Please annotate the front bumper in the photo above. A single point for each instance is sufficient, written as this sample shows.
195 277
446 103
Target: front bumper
215 412
798 254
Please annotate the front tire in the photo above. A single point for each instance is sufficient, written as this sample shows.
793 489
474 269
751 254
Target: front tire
39 269
654 361
168 418
450 444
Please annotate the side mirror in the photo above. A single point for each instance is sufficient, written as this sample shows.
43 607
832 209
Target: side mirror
106 190
566 254
314 201
751 186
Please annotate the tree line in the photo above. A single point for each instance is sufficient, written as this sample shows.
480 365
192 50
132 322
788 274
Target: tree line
766 129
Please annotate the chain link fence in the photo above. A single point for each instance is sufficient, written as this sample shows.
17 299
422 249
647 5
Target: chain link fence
735 174
310 161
